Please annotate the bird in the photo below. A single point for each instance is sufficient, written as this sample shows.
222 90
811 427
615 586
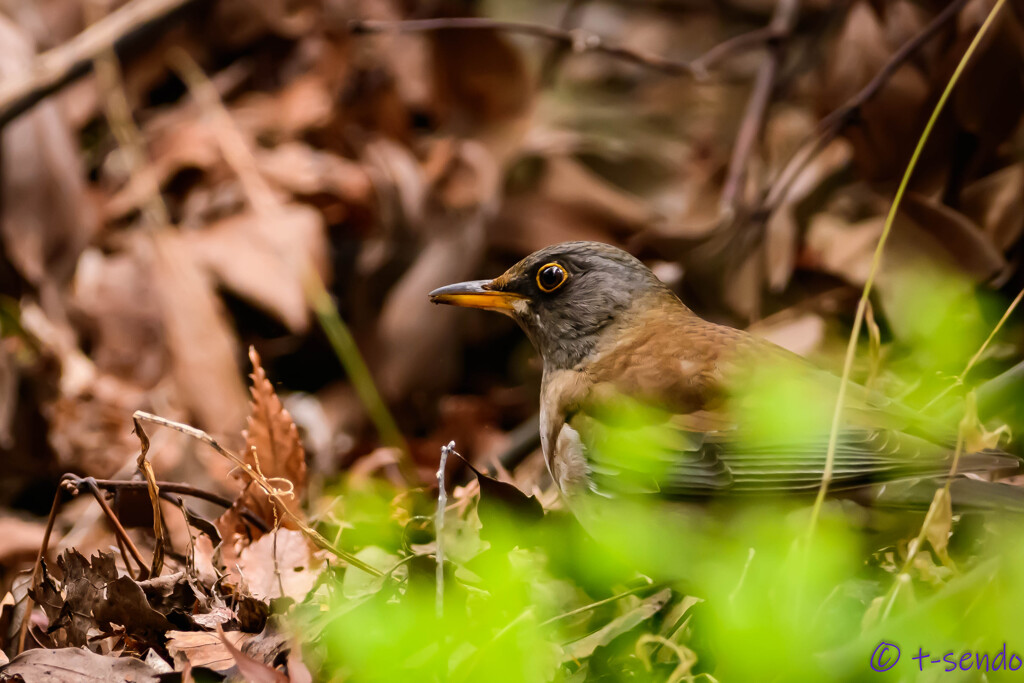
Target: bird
627 366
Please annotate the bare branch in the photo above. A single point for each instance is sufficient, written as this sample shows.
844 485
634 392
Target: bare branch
579 41
55 68
750 127
835 122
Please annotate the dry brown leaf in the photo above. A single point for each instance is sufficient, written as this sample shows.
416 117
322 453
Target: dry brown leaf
116 297
889 122
965 243
47 218
201 343
464 190
801 333
298 168
250 669
282 563
205 648
273 448
566 180
21 540
482 88
75 665
264 261
302 104
996 203
238 22
990 95
834 245
177 140
783 134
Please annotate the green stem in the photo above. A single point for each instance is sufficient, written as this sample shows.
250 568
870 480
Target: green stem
345 347
851 347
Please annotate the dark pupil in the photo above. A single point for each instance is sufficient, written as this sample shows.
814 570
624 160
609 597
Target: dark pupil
551 277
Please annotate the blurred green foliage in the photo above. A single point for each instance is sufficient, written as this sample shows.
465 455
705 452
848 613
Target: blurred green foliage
638 590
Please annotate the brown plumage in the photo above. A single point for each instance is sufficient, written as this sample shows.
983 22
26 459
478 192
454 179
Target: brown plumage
613 338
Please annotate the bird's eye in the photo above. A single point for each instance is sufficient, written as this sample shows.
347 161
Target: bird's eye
550 277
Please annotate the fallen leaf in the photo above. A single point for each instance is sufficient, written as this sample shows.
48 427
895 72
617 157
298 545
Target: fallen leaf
272 448
996 203
965 243
265 263
249 668
201 343
76 665
282 563
125 603
206 648
889 123
46 217
21 540
301 169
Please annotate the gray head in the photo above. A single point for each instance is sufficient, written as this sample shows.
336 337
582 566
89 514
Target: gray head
562 296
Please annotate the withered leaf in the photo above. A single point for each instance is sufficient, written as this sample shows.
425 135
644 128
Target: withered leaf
280 564
273 448
76 665
248 667
205 648
502 503
125 603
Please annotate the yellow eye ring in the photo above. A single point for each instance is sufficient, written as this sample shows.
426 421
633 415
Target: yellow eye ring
550 277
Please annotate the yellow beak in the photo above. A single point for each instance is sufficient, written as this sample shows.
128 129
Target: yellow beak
476 294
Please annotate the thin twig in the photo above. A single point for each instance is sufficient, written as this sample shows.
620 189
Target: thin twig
570 19
835 122
90 484
738 44
579 41
58 498
56 68
169 489
750 126
275 494
442 502
858 321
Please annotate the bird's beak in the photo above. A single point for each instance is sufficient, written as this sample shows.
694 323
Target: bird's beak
477 294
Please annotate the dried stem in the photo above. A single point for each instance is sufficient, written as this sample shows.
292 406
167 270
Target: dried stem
274 493
169 489
37 567
579 41
90 484
571 15
56 68
442 503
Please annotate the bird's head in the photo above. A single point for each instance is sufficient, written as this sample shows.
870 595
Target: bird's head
562 296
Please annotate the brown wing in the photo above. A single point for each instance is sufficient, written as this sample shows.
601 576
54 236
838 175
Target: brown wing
684 370
626 457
